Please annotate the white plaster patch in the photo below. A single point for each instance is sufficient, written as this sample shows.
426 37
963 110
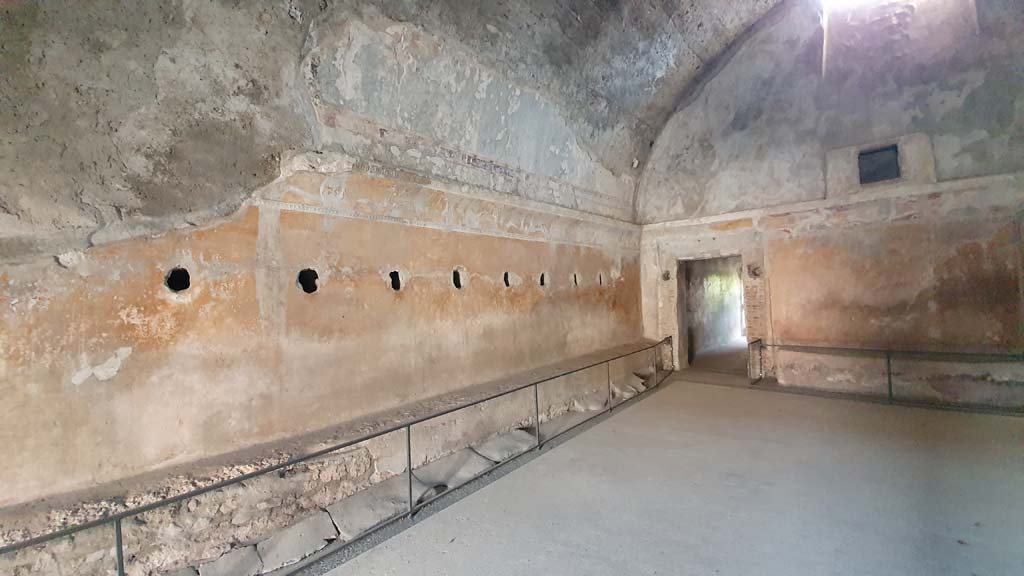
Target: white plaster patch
71 259
950 147
484 84
103 371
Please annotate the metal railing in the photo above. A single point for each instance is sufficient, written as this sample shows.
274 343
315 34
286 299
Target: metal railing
759 346
115 520
889 355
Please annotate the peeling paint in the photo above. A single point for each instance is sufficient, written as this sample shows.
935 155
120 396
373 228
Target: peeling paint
104 371
243 347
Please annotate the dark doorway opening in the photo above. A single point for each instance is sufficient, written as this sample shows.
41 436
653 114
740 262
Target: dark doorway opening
711 315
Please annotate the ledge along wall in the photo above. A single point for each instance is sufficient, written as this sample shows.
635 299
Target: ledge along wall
131 377
345 139
247 142
761 161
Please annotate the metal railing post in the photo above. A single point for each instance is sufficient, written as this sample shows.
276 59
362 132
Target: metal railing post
536 413
116 519
671 343
654 366
611 399
119 545
888 372
760 359
408 465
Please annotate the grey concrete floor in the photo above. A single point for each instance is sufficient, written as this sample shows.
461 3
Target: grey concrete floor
730 358
701 479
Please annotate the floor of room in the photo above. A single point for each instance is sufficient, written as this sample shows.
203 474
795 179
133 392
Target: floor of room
707 479
730 358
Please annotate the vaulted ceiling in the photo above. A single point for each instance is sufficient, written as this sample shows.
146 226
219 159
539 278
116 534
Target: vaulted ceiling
127 119
619 66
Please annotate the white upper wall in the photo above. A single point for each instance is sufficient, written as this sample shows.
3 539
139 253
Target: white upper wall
756 131
124 120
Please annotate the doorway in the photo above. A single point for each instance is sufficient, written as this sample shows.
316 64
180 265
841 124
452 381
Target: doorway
711 314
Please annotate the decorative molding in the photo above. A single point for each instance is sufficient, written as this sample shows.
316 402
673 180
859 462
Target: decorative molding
872 195
617 234
916 158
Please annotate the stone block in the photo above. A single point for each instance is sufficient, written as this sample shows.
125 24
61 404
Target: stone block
971 382
296 542
505 446
368 508
86 553
627 387
860 373
209 525
556 426
453 470
238 562
589 404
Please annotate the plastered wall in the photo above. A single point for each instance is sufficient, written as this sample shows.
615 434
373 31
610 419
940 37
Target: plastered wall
936 268
122 120
917 281
374 142
245 143
761 162
110 374
358 139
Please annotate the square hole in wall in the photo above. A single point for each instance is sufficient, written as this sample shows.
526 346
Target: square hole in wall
879 164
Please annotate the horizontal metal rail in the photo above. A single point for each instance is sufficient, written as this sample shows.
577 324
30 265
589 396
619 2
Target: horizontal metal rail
993 356
889 354
116 519
339 545
541 441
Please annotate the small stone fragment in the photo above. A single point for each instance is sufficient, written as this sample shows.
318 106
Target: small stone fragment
239 562
297 541
368 508
71 259
505 446
453 470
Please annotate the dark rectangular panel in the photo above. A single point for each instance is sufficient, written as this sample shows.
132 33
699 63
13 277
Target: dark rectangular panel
879 165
